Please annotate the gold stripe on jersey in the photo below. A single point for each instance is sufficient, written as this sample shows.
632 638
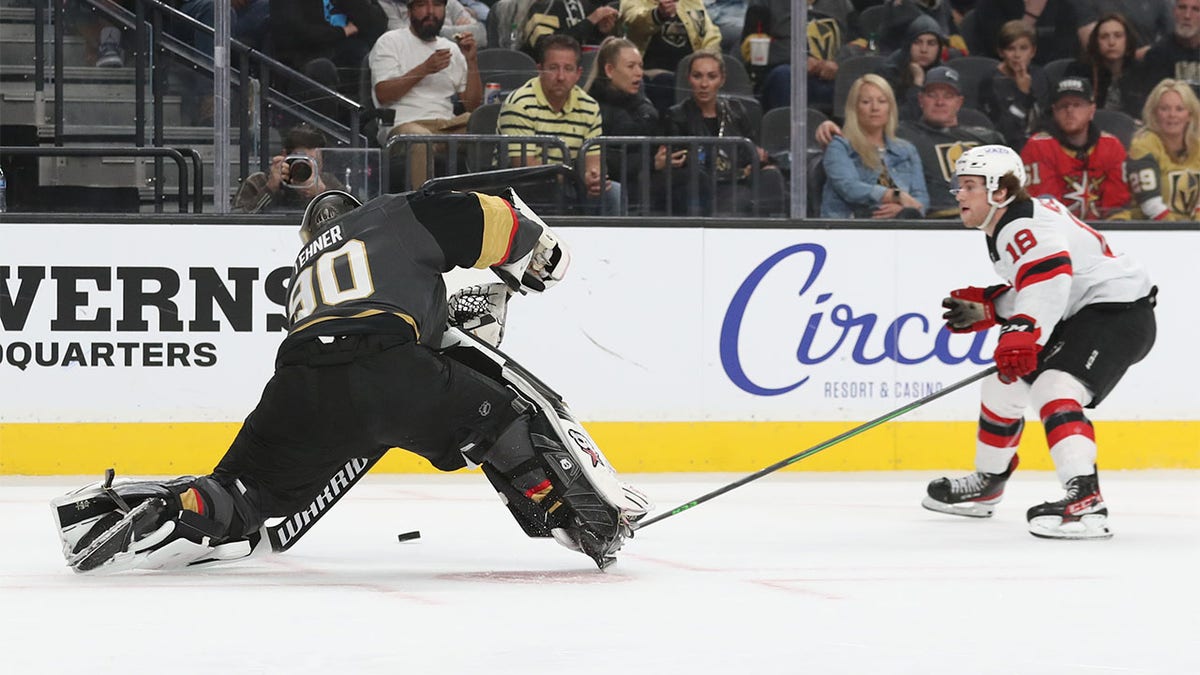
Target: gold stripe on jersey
499 228
361 315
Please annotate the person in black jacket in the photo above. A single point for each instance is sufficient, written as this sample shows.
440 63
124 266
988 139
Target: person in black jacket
1109 64
615 82
328 46
1018 91
588 21
708 113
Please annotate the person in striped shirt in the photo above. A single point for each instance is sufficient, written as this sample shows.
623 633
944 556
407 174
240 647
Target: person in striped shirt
552 104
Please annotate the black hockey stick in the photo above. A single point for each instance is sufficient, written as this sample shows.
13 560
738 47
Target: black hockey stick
284 534
908 407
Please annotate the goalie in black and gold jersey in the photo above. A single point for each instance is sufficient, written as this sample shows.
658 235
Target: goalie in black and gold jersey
370 362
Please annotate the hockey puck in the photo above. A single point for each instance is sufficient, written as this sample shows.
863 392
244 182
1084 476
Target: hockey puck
409 536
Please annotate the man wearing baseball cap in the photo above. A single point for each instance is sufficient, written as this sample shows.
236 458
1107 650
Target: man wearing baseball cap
939 138
1073 161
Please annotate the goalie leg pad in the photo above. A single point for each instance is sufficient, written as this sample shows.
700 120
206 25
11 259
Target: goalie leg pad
136 524
549 493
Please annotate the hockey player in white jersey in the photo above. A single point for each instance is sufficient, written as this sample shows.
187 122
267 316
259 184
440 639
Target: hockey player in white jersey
1073 316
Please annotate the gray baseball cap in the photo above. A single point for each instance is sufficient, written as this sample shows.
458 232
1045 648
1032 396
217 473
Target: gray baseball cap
942 75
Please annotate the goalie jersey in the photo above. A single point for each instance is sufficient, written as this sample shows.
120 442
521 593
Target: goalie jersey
1056 265
378 268
1164 187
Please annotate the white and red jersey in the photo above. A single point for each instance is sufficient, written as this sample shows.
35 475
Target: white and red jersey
1056 265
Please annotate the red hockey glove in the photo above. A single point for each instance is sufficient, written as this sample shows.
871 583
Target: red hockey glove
972 309
1017 353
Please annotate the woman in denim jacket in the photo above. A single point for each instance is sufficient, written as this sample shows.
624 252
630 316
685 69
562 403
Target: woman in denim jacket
870 173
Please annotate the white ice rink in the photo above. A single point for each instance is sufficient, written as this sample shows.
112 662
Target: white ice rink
794 573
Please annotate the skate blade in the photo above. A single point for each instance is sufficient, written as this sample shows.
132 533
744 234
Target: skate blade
968 509
1087 527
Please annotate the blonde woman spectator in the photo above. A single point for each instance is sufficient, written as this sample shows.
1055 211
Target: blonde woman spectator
1164 158
870 173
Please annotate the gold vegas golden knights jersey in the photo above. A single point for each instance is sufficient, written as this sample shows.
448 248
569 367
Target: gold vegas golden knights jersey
1164 187
378 268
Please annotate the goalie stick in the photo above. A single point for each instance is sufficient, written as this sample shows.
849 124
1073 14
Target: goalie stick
906 408
285 533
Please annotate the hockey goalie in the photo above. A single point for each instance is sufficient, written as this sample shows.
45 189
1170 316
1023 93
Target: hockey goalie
377 357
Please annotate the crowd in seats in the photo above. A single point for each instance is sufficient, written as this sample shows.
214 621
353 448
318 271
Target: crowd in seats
998 65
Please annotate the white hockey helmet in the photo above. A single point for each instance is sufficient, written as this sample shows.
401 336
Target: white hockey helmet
992 162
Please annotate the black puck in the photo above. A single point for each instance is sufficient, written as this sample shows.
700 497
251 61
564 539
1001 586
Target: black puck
409 536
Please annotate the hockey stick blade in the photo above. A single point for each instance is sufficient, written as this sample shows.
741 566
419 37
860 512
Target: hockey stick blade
906 408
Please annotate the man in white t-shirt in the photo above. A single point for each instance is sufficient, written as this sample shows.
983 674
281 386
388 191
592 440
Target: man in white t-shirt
416 73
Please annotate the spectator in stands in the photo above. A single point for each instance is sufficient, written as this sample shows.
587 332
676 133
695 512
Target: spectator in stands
729 17
898 16
615 83
826 32
1176 56
552 105
416 72
588 21
906 67
327 42
1145 21
870 173
294 179
666 32
459 19
1014 96
1164 158
1109 63
938 137
705 112
1074 162
1053 24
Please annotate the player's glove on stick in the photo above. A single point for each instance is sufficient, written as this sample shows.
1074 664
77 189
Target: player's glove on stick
972 309
1017 353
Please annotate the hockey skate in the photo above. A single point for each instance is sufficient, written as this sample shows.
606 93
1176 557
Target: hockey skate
974 495
1081 514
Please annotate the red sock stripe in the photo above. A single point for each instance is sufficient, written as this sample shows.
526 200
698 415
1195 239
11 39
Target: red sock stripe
1058 433
1059 405
998 441
1006 421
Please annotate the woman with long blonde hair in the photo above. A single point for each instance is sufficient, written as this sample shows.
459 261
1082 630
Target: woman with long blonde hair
1164 158
870 173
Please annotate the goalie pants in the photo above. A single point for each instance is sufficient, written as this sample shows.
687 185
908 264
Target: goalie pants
357 396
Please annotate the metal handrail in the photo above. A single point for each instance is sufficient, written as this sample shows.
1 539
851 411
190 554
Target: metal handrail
741 151
475 142
117 151
167 43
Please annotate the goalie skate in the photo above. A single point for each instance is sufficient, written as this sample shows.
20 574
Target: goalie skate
1081 514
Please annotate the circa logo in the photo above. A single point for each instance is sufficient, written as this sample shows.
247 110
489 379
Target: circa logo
839 325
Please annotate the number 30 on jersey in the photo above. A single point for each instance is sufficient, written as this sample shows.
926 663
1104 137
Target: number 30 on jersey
353 284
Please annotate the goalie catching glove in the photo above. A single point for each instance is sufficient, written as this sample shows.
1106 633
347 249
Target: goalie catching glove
480 310
972 309
545 264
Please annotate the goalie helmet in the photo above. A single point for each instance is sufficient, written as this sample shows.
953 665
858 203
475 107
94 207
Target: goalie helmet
324 208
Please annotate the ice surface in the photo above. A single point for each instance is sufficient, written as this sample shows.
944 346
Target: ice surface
795 573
